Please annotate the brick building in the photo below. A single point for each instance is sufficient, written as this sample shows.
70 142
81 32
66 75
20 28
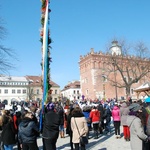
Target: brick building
94 72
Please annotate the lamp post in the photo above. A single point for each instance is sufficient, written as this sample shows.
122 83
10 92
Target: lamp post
115 50
115 83
103 76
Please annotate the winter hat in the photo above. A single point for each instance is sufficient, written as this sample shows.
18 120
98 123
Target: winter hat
50 106
134 107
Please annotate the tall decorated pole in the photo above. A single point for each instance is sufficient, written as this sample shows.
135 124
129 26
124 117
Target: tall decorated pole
46 59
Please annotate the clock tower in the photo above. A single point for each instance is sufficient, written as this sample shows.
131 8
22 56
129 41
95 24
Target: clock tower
115 48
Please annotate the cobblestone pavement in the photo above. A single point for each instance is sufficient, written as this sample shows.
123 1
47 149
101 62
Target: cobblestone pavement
104 142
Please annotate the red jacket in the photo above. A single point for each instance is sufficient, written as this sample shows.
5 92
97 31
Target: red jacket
95 116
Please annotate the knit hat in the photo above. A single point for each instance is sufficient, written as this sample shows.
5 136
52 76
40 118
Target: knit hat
134 107
50 106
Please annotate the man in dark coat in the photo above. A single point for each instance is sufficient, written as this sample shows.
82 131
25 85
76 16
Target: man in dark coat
50 128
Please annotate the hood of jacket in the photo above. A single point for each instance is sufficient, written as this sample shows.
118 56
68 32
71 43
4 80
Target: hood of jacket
115 108
26 121
124 105
130 120
78 115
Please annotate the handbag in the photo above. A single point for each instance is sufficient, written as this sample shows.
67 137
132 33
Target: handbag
83 139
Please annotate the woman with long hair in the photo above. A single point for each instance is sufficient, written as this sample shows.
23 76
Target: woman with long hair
79 127
8 130
135 123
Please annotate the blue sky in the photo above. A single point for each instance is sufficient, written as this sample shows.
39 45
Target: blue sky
76 27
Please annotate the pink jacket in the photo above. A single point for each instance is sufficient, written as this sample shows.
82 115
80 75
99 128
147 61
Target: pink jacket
116 113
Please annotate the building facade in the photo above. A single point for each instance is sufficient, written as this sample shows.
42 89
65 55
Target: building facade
35 91
94 73
72 91
25 88
13 88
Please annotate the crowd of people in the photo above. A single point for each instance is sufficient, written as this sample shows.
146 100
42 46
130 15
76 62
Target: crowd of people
76 119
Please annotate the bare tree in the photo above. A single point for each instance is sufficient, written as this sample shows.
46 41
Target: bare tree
6 54
132 65
31 93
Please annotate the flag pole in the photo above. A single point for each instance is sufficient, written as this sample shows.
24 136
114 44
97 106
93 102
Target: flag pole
46 59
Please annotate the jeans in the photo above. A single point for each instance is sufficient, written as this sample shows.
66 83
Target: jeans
8 147
107 128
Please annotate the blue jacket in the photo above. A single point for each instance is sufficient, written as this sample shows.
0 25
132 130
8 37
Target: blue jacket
87 115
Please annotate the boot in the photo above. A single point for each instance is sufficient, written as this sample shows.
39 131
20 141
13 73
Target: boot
63 134
60 134
96 134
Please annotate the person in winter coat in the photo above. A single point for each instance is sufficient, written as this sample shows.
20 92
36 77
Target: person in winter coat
86 112
147 128
50 128
116 119
134 121
79 127
17 120
8 130
124 111
107 119
61 114
28 132
101 122
1 144
68 129
95 117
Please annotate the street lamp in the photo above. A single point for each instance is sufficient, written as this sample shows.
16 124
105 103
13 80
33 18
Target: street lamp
115 83
104 78
115 50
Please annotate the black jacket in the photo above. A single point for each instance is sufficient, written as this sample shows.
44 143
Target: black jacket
51 125
8 131
28 131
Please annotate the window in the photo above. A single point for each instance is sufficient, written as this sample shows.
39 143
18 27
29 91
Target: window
37 91
55 91
13 91
18 91
24 91
130 79
0 91
38 99
74 92
55 99
6 91
77 91
87 92
131 91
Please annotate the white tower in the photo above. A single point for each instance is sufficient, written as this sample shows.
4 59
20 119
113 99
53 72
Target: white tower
115 48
